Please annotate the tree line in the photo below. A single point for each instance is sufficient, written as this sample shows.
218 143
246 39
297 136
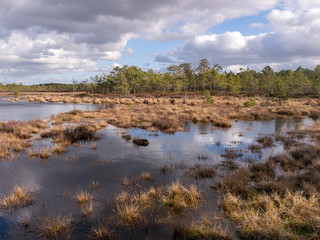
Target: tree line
183 78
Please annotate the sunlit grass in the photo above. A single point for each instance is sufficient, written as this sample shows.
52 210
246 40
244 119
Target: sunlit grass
146 176
59 149
84 201
19 197
43 153
178 197
128 214
100 232
55 227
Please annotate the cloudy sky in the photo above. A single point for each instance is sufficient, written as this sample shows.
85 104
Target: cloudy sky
56 40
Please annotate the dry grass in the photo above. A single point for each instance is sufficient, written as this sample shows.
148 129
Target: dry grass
265 141
169 118
126 137
134 208
43 153
170 114
278 198
179 197
83 197
19 197
146 176
129 182
103 124
55 227
84 201
66 136
291 216
14 135
122 197
9 144
254 148
95 184
101 232
128 214
23 130
200 232
58 148
237 182
199 172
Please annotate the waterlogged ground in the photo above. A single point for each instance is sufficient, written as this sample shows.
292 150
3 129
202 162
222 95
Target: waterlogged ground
111 158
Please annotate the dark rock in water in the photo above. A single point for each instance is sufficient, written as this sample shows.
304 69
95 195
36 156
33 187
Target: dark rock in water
141 142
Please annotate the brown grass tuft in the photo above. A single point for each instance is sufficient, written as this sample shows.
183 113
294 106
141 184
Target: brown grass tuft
19 197
178 197
291 216
128 214
55 227
43 153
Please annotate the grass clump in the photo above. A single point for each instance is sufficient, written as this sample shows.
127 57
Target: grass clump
266 141
43 153
195 232
19 197
126 137
199 172
10 143
288 216
22 130
83 197
84 201
80 133
70 135
59 149
55 227
101 232
146 176
179 197
129 182
128 214
237 183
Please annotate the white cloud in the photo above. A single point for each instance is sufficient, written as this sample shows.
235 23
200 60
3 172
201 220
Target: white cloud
64 35
294 40
130 51
26 54
56 36
112 55
258 25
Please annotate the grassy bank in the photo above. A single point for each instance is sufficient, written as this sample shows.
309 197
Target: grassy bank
278 198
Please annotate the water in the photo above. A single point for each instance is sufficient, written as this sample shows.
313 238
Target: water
56 180
24 111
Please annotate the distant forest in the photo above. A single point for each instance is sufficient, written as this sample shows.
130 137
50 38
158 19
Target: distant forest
183 78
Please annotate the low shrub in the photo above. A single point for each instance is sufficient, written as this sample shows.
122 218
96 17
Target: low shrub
250 102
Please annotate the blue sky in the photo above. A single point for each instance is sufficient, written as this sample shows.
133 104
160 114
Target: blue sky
56 41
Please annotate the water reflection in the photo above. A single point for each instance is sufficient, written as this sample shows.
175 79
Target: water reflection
203 139
30 110
3 228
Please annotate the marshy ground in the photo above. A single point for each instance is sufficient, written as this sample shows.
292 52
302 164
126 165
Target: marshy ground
79 175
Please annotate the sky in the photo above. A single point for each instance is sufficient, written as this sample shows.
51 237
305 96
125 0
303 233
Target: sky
44 41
